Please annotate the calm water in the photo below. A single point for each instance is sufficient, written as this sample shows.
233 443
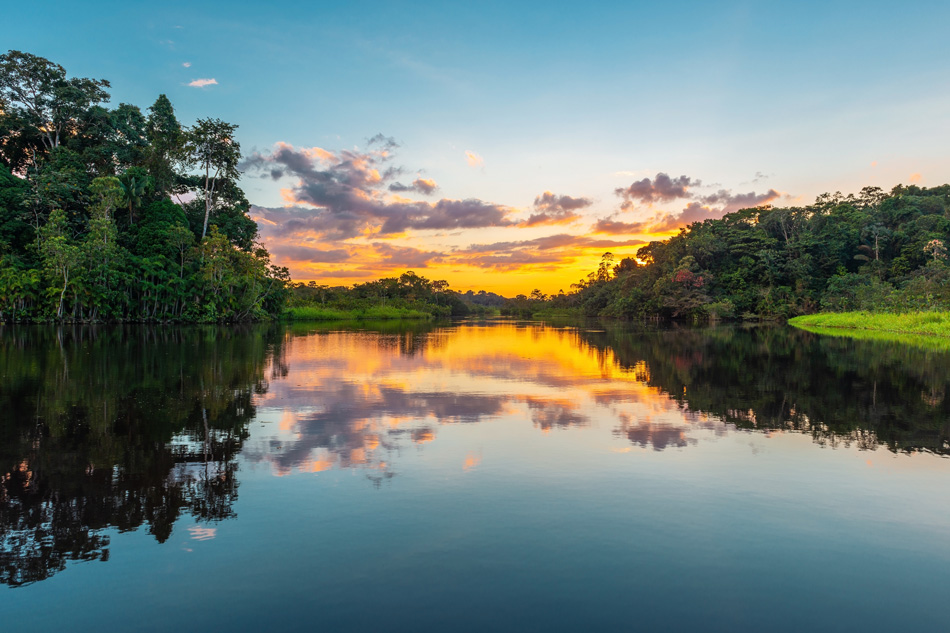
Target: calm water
471 477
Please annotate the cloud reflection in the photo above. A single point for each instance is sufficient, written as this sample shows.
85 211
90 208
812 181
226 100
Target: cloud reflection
354 399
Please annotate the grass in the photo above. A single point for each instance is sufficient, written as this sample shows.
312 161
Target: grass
314 313
558 313
921 323
929 330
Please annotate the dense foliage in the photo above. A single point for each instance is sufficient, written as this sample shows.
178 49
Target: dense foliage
874 251
89 230
409 295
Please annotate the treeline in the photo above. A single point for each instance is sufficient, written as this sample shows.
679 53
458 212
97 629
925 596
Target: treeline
89 229
873 251
407 295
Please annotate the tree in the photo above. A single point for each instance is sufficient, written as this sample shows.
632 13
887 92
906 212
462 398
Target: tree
38 91
166 141
211 146
60 257
134 183
936 249
100 247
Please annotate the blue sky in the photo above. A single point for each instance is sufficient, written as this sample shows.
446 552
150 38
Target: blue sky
578 100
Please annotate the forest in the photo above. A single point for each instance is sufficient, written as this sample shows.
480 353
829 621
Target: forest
407 296
876 251
112 214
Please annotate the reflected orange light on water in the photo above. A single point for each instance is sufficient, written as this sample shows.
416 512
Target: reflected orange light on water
354 395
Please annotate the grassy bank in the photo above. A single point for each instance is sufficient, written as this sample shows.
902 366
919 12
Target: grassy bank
914 323
558 313
376 313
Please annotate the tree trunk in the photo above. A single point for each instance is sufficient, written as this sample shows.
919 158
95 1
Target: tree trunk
62 295
204 231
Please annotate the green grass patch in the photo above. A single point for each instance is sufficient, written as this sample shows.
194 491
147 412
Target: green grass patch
558 313
930 330
314 313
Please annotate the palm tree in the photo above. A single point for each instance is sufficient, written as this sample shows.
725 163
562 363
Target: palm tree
133 183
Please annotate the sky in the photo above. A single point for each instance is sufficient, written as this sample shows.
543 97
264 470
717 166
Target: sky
506 146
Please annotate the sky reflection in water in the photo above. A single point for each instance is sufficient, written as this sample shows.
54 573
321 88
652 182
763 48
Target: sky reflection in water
355 397
473 477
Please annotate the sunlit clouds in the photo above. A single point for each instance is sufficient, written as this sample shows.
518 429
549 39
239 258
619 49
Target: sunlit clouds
473 159
203 83
353 215
553 209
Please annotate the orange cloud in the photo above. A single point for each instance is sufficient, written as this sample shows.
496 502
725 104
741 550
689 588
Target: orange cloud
473 159
471 461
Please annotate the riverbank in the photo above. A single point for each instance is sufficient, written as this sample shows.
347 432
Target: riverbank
913 323
376 313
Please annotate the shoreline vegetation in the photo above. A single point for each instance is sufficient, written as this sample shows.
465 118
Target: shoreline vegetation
374 313
930 325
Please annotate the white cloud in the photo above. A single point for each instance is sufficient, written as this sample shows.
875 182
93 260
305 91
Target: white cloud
474 159
201 83
187 64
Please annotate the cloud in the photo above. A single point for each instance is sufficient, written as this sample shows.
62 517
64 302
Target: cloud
404 256
473 159
187 64
425 186
550 250
554 209
613 227
915 177
661 189
298 252
201 83
729 202
344 194
694 212
713 207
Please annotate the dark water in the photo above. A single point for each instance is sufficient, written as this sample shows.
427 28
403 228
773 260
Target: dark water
471 477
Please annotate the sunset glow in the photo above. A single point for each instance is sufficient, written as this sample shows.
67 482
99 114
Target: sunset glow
484 146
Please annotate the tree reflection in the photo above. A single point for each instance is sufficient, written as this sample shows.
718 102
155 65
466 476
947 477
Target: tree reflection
134 428
119 428
840 391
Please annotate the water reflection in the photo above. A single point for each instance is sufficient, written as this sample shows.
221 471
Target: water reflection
137 427
355 397
119 428
840 391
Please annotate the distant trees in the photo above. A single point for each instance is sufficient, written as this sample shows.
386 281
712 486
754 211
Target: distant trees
876 250
409 290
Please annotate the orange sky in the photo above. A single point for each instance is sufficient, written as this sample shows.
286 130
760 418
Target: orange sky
356 215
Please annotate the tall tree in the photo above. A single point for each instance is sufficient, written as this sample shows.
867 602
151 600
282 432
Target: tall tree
166 141
211 146
38 91
60 256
